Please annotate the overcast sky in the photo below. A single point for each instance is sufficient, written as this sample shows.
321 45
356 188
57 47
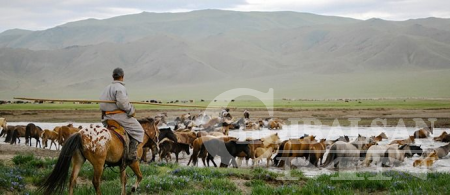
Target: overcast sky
43 14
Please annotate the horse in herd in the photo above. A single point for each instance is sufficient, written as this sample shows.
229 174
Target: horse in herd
104 147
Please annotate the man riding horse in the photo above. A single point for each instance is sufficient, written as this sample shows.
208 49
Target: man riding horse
122 112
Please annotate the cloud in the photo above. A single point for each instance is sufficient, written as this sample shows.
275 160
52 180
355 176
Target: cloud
42 14
385 9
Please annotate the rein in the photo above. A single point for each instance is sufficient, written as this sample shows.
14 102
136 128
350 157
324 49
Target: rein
150 137
156 137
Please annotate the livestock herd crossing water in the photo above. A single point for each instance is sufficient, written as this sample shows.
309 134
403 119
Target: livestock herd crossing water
399 148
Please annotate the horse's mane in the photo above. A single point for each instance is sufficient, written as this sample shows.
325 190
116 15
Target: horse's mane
147 120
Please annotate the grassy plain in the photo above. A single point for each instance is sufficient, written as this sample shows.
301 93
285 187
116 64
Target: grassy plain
24 173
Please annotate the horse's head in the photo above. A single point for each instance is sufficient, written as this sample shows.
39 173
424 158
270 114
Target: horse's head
361 138
434 156
150 127
162 119
272 139
383 135
362 142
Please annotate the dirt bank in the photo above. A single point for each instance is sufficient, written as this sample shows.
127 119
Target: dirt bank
8 151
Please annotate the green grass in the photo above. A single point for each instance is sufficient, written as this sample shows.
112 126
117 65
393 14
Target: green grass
278 104
160 178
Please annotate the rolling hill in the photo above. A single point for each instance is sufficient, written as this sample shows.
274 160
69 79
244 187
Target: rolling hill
200 54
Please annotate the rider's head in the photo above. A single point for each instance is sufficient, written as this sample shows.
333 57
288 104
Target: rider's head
118 74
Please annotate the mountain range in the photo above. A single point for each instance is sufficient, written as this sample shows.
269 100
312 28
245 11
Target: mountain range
201 54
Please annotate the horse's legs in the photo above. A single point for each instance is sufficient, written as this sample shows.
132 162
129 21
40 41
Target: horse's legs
45 144
78 161
233 161
239 161
337 161
154 152
98 171
123 180
40 146
190 159
137 171
212 160
289 161
38 141
144 154
255 162
203 160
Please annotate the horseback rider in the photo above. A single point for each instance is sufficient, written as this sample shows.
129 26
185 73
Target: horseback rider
122 112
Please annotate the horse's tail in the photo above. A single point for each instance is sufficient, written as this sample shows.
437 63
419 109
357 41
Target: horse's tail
285 153
202 152
195 153
277 157
54 183
312 156
15 135
331 155
8 136
28 134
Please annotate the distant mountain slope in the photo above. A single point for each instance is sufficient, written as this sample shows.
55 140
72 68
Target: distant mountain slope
190 25
202 53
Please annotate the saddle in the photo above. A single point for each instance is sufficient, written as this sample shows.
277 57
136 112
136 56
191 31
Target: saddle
116 129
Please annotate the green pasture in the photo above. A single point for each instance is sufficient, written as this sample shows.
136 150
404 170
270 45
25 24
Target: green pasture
255 104
25 173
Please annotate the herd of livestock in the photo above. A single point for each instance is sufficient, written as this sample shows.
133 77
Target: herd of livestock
205 137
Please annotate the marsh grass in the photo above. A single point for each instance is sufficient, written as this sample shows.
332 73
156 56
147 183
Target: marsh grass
161 178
